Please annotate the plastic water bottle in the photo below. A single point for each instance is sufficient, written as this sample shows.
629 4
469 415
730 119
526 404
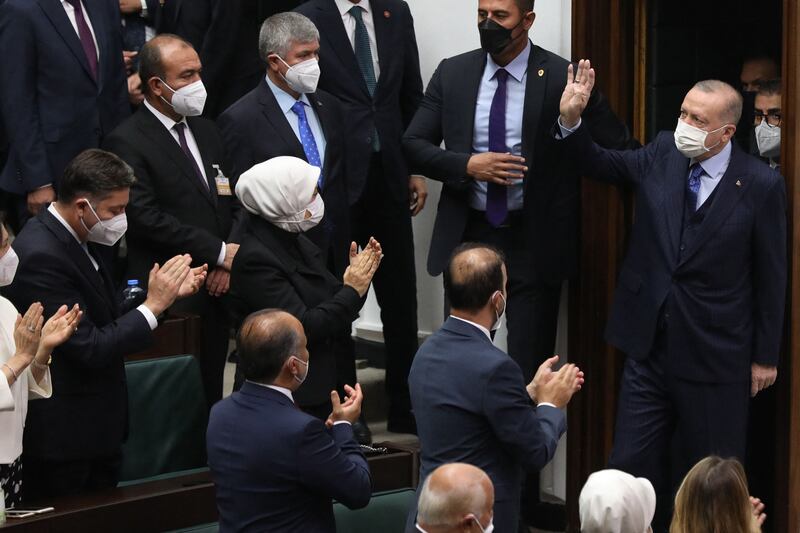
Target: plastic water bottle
132 292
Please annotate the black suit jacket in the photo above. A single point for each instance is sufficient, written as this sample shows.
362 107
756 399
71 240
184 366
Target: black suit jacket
721 297
87 414
471 406
276 468
277 269
170 211
255 129
52 108
552 184
396 97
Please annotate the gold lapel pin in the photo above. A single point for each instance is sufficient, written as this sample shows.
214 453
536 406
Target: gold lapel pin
541 72
386 14
738 183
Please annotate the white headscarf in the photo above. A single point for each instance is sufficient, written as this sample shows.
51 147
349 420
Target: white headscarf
279 190
615 502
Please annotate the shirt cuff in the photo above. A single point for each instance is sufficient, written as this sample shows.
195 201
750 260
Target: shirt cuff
148 315
144 13
221 258
547 404
342 422
565 131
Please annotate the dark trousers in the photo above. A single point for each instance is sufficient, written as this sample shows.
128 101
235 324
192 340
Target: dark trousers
44 479
666 424
378 214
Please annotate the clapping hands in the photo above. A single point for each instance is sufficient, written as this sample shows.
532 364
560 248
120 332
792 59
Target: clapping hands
363 266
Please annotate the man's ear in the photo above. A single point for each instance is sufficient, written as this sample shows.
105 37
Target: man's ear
530 17
156 86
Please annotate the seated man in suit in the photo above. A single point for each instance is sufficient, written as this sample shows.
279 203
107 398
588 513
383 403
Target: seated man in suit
285 114
275 467
470 398
73 441
455 498
181 201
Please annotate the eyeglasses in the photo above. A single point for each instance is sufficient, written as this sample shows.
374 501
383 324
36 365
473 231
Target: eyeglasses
774 119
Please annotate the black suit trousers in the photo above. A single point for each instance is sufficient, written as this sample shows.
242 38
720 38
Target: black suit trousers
379 214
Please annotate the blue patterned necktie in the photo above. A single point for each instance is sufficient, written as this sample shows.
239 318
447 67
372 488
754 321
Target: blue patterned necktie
307 139
364 59
693 185
497 195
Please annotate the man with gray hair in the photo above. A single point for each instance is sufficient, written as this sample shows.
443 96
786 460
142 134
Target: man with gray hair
456 497
699 304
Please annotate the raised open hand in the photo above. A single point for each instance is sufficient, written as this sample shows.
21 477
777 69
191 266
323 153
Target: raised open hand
576 93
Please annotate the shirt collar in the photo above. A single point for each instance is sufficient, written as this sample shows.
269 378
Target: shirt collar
162 118
516 69
346 5
716 164
285 100
483 329
55 213
286 392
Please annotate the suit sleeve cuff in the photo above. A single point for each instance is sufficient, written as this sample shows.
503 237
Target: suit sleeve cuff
149 316
565 131
221 257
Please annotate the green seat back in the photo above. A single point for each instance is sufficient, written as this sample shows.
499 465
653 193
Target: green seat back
386 513
167 417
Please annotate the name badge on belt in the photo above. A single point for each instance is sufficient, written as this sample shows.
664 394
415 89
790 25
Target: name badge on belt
223 183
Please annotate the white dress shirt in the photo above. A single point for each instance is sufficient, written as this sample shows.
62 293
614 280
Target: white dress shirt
713 169
14 398
71 15
191 142
146 312
350 28
285 102
515 108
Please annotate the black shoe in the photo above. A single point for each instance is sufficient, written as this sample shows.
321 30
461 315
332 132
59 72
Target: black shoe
402 424
361 432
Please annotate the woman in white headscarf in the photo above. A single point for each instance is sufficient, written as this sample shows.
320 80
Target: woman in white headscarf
25 346
277 266
613 501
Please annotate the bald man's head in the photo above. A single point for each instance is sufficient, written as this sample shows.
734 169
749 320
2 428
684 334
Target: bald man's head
265 341
452 494
475 272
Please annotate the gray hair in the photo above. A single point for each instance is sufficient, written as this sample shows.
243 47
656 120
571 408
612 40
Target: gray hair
279 32
732 112
447 507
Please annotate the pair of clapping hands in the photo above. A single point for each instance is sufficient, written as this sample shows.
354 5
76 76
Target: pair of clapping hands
363 266
174 280
36 339
555 387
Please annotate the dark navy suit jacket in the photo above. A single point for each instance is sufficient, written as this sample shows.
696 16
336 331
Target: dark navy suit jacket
722 295
471 406
276 468
51 106
87 415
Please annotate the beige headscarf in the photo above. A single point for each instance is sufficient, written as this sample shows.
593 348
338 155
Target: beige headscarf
615 502
279 190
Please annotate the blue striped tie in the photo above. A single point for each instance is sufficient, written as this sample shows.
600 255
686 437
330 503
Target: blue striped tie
364 59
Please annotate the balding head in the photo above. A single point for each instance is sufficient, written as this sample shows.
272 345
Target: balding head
453 497
475 272
726 102
756 70
158 54
265 341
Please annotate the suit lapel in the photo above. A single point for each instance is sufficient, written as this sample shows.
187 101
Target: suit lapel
334 34
78 256
535 91
325 123
465 101
276 117
673 199
93 10
155 131
383 37
59 19
202 141
732 186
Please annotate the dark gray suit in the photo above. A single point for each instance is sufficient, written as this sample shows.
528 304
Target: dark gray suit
471 406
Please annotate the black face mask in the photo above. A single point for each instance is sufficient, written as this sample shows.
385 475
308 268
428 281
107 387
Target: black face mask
495 37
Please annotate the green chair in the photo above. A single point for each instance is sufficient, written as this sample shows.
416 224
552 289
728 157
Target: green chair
167 418
386 513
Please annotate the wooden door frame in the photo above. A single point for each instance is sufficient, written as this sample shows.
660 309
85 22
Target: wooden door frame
613 35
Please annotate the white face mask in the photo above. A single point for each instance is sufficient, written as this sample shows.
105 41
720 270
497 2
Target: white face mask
8 267
691 141
302 77
189 100
306 363
299 223
106 232
499 315
489 527
768 139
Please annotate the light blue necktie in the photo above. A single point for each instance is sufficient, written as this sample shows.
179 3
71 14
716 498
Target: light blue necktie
693 185
307 139
364 59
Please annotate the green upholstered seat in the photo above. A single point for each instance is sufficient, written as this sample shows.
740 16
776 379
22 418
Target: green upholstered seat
386 513
167 418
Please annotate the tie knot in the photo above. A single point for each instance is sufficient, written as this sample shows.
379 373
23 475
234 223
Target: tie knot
299 108
76 4
356 12
501 75
697 171
179 127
